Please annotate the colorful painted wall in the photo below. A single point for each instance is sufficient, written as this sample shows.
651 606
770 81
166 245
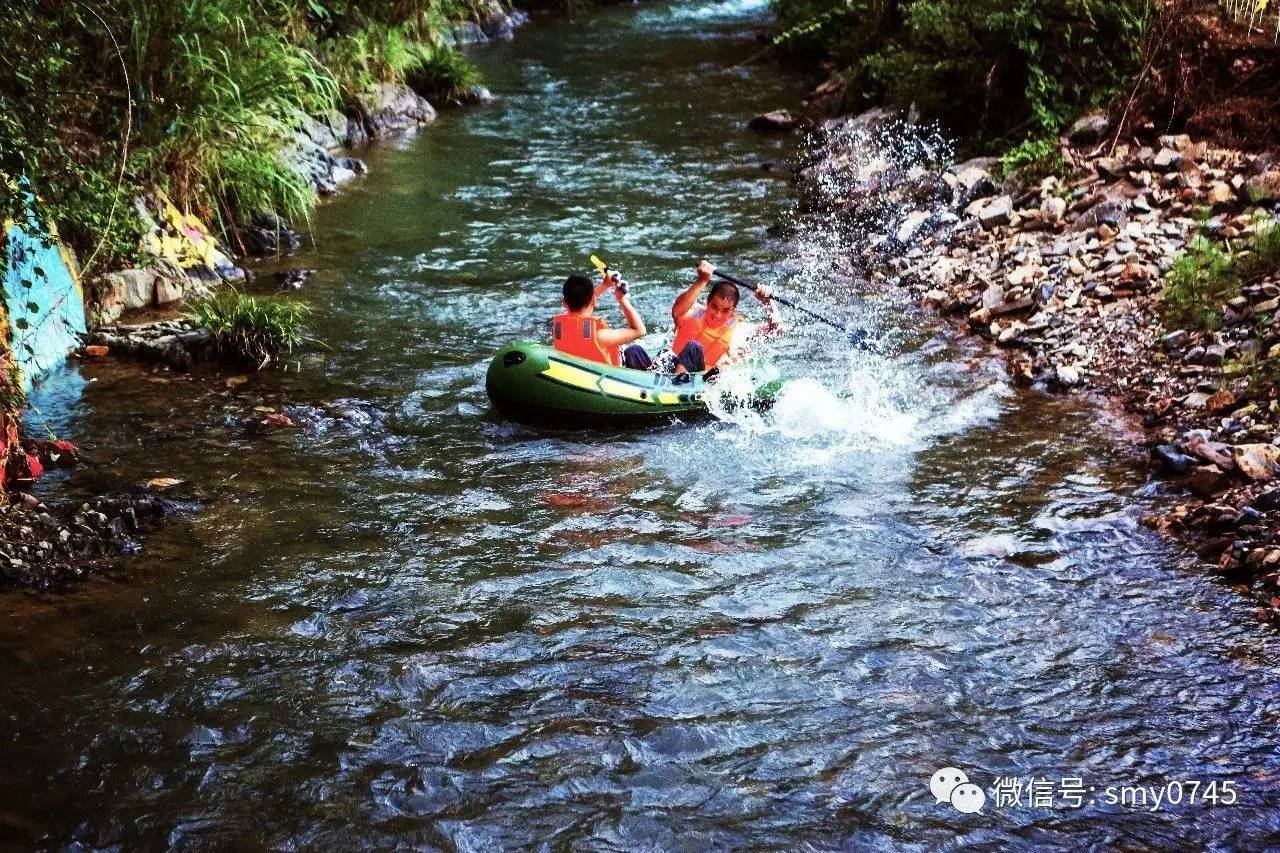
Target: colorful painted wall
43 299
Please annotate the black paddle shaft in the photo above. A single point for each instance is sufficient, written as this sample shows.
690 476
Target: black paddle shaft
787 302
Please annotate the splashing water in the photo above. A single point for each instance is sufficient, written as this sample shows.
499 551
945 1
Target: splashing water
839 397
694 13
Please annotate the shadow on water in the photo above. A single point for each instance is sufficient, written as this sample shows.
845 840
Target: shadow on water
410 623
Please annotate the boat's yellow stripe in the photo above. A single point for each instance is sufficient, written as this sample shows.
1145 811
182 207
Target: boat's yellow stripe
571 375
666 398
625 390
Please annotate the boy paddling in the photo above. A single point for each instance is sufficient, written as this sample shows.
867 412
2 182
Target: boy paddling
577 331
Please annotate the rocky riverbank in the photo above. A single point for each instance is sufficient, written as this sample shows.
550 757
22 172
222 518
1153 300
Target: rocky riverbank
1144 270
46 544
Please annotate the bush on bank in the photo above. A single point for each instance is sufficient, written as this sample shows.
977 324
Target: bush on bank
99 100
989 70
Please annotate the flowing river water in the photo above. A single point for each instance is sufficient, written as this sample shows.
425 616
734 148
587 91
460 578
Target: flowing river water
409 623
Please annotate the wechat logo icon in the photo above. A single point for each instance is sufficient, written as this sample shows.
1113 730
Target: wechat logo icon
952 785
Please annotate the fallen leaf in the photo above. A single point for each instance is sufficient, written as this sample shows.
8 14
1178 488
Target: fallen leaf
237 381
96 351
162 483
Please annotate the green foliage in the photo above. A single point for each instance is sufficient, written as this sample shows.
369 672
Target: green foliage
251 329
988 69
1207 275
99 101
1035 158
378 53
220 90
1199 282
444 75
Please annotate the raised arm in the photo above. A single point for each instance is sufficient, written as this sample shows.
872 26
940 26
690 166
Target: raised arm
635 323
685 301
772 324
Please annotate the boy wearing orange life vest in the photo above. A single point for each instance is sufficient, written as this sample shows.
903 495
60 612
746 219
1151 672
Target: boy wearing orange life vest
577 331
713 335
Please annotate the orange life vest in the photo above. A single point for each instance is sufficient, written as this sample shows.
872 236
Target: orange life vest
577 335
715 340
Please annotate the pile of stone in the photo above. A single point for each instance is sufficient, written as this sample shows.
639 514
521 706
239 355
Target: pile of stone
175 343
1066 274
43 545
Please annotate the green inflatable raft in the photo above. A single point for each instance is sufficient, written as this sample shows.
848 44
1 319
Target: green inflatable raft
533 383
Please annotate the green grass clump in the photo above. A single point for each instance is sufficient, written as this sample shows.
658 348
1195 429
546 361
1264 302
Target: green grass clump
444 75
378 53
1035 158
1264 253
251 329
1199 282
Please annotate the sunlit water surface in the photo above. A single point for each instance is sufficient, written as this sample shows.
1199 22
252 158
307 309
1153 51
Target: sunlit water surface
419 625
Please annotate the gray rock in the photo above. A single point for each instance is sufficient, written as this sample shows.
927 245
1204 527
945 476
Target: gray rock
1109 212
168 290
994 212
1110 167
1215 354
972 182
1167 159
1053 208
124 291
1264 187
1089 129
468 33
1174 341
392 108
1171 461
496 23
993 296
911 227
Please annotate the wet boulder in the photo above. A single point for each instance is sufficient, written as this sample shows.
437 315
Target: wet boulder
1170 460
388 109
293 279
775 121
267 234
496 23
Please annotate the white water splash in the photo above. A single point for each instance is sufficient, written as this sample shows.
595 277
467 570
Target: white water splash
850 409
685 13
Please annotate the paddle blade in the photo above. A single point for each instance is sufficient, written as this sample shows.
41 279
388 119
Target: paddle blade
598 264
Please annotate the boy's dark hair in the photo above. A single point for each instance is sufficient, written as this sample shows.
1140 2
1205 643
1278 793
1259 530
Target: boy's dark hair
727 288
578 289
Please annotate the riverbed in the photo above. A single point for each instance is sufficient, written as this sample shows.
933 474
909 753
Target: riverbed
409 622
